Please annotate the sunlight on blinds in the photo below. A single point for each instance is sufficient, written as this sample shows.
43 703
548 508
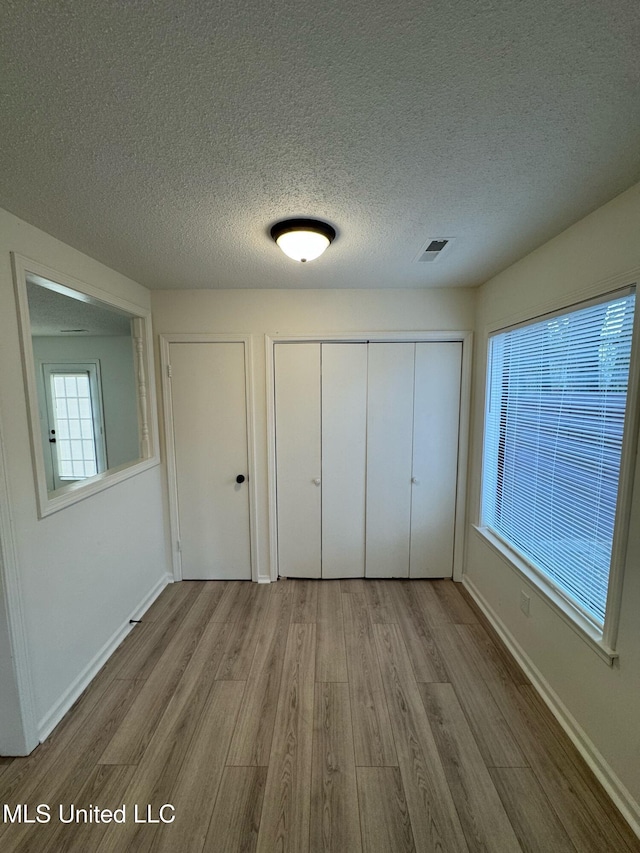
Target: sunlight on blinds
556 398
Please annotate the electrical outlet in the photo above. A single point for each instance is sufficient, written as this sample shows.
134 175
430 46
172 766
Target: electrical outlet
525 602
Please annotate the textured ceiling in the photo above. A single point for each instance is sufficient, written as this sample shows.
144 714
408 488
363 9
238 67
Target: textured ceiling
165 138
52 313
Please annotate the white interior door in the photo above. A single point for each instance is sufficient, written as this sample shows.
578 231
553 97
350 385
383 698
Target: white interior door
389 459
298 459
435 458
344 453
210 439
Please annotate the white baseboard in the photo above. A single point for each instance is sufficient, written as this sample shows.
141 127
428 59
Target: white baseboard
48 723
625 803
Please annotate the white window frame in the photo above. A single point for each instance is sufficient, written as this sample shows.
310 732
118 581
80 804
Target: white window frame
602 641
50 502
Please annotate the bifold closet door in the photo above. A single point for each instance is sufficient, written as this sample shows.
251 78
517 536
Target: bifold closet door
436 417
389 459
344 452
298 460
366 458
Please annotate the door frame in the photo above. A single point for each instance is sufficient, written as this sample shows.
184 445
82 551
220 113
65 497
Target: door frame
167 408
463 337
20 739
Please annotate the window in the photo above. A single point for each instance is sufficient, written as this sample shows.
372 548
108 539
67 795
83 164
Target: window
71 324
556 402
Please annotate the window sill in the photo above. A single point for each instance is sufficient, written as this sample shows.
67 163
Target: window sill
587 632
78 490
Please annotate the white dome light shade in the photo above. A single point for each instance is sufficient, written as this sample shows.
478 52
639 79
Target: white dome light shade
303 239
303 245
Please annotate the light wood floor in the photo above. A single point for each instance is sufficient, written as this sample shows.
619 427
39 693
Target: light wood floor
346 716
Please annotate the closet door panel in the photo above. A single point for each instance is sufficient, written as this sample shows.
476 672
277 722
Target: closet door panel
344 449
435 458
389 459
298 461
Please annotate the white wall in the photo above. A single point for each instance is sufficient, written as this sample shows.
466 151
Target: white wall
260 312
16 699
601 703
84 570
12 736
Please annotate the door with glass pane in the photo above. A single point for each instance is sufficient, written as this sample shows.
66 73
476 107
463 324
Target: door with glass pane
75 427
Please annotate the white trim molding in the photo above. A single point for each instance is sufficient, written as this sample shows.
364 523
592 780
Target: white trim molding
51 719
50 502
417 336
557 600
167 407
618 792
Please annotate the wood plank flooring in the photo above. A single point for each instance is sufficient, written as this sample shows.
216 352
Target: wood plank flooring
311 717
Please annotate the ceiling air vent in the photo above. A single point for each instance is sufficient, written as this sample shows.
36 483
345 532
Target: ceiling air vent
434 249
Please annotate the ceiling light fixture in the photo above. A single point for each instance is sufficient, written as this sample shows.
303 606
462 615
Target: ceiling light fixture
303 239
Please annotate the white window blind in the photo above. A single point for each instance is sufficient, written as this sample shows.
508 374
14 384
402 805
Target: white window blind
556 399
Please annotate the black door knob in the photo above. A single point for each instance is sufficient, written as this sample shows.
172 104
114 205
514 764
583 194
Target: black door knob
240 478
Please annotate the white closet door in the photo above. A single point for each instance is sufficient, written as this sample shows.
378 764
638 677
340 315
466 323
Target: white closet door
210 438
435 458
298 462
344 451
389 459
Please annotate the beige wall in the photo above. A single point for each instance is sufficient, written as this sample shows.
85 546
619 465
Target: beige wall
85 569
602 703
306 312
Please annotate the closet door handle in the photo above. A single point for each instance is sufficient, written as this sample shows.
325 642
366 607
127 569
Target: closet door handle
240 478
415 481
316 481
